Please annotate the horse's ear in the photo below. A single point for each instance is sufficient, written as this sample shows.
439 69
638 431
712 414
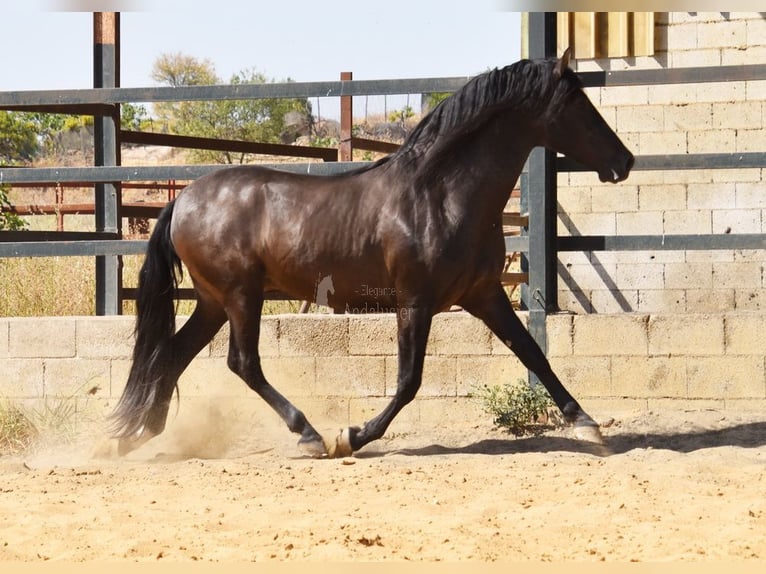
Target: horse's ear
562 64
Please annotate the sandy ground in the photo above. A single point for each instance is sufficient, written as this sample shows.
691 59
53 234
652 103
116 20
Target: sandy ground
678 486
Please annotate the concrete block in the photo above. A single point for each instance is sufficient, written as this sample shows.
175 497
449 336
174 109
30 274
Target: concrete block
439 376
362 410
755 90
712 141
750 299
640 276
613 199
642 118
104 337
689 404
22 378
649 376
460 410
744 332
640 223
584 376
609 302
602 409
458 333
688 275
268 340
70 378
596 335
682 36
688 117
291 376
350 376
592 224
726 377
726 34
588 277
745 115
714 256
314 335
620 96
692 222
43 337
710 300
721 92
695 58
750 195
753 140
328 414
573 200
473 373
748 405
737 221
373 334
209 376
560 329
711 195
673 94
665 198
738 275
694 334
662 301
119 369
661 143
575 300
4 338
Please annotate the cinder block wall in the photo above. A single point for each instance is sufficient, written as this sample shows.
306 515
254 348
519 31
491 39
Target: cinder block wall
341 369
675 119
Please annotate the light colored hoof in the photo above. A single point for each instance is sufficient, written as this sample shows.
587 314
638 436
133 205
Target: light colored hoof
314 449
589 433
341 446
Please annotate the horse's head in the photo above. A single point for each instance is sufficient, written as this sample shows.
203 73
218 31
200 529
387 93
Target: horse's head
573 127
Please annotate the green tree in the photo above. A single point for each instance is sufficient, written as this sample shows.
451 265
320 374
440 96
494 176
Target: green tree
18 140
261 120
9 221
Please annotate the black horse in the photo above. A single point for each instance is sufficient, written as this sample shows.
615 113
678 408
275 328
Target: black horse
414 233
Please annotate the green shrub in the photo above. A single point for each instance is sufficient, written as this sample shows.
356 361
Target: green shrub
519 408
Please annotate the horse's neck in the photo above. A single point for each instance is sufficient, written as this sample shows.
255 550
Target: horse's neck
487 166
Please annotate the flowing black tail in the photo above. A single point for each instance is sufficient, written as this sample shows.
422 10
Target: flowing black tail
155 325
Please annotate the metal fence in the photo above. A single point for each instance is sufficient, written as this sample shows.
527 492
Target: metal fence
539 243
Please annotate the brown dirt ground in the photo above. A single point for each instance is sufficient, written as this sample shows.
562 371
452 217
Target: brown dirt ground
678 486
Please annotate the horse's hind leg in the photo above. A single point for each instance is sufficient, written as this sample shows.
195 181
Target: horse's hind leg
245 322
494 308
204 322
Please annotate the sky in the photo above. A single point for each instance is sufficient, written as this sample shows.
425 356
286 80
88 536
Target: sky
301 40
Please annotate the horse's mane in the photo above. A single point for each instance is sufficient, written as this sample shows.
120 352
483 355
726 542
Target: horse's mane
528 86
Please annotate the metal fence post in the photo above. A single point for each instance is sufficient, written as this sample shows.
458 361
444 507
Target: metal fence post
345 147
540 296
106 153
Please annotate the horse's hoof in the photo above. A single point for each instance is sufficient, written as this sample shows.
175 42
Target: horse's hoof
314 448
341 446
588 433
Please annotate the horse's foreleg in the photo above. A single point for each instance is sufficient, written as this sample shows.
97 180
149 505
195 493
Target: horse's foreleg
414 325
494 308
243 359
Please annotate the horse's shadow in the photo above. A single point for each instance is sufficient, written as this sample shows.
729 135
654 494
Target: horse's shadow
749 435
